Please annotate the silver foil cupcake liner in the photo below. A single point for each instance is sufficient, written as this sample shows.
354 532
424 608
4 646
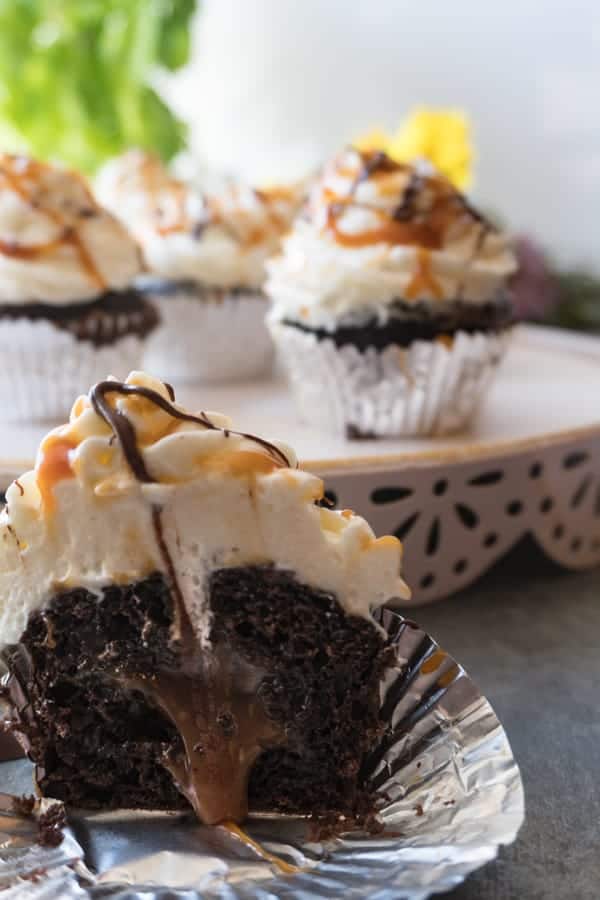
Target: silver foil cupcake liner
450 794
44 367
428 388
210 339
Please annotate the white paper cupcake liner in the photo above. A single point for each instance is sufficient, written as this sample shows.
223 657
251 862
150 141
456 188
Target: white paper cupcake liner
45 368
206 339
427 388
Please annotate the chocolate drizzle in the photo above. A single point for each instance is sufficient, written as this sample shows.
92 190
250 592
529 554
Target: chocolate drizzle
183 624
222 723
406 208
125 431
376 161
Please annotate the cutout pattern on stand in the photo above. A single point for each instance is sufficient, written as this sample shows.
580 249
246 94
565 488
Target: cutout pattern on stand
456 526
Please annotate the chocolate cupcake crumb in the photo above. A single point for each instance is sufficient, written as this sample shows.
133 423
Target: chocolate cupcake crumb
98 743
409 322
114 315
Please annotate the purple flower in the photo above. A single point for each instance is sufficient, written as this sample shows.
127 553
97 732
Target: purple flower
534 286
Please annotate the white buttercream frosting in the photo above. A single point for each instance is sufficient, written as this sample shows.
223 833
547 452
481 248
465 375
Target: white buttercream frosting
82 518
222 240
376 231
57 245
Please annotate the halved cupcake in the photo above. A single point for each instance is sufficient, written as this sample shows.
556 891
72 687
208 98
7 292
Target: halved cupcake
205 257
67 306
183 622
390 304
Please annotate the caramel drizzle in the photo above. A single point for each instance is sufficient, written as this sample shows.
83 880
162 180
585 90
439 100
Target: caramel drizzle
401 228
423 279
391 232
18 173
154 178
256 235
278 222
284 867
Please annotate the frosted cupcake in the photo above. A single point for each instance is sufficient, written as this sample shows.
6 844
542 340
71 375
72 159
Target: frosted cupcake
183 625
67 309
206 262
390 305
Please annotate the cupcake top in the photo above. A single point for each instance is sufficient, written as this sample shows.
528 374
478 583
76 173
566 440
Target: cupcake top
222 240
57 245
376 232
134 485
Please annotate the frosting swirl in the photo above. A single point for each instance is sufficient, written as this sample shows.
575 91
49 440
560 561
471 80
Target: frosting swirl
376 231
222 240
130 458
57 245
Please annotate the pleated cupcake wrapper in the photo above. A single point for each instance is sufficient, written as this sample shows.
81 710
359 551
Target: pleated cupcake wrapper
206 339
449 794
428 388
44 368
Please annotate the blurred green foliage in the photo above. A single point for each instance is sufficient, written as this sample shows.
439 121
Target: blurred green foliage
74 76
579 303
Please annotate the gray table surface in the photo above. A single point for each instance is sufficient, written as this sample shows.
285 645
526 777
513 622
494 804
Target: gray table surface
529 635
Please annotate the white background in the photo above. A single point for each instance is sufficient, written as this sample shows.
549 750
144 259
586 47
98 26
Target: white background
276 84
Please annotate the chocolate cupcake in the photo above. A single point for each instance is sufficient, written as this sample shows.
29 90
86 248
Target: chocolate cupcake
390 305
67 307
205 258
182 622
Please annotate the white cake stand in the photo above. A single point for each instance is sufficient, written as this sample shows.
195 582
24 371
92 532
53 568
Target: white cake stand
529 465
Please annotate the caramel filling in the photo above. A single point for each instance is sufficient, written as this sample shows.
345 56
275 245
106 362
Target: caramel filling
433 662
223 728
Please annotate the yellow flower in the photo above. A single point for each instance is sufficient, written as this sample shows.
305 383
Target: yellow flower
441 136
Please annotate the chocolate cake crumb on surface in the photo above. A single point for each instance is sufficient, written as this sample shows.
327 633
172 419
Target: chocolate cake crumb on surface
50 817
23 805
50 825
82 680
